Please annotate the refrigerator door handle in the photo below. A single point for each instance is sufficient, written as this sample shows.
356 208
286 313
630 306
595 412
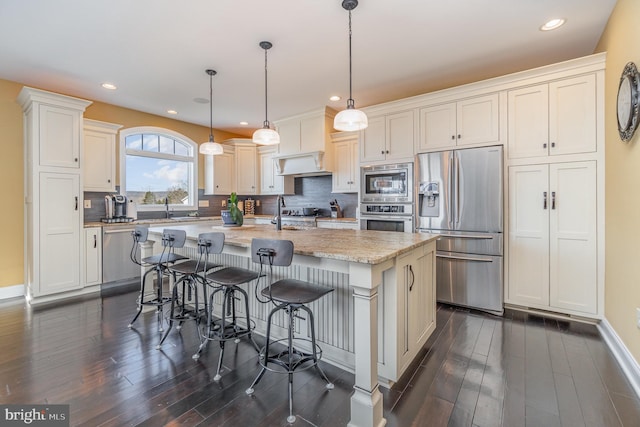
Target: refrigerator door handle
465 258
450 213
456 165
465 236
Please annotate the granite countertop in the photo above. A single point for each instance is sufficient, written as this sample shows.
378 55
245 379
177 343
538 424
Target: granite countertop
362 246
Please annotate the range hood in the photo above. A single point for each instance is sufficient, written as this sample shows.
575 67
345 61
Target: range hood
308 164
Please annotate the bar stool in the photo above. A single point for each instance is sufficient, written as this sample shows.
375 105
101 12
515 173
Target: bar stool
185 288
224 326
171 240
289 295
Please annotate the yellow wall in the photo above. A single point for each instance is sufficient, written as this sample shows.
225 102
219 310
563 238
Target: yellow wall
11 172
622 181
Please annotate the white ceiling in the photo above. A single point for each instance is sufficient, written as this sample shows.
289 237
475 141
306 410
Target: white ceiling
157 51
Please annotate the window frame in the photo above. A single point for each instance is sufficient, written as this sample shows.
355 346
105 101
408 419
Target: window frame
124 133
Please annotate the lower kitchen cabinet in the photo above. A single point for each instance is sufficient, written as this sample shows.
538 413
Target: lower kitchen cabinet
92 256
341 225
407 308
552 237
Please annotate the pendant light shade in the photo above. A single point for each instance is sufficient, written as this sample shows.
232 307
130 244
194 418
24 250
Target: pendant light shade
266 135
210 147
350 119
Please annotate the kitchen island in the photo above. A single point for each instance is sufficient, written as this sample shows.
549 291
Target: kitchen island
382 309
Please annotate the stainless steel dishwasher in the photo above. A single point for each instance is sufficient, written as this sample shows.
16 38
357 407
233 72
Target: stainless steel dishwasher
116 247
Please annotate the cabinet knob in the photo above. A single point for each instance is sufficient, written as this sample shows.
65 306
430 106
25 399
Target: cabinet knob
453 137
75 160
387 152
109 181
553 144
381 151
544 145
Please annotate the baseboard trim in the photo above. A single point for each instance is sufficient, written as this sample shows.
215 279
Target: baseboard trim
626 360
11 292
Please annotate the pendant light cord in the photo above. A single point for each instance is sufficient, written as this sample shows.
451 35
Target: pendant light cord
350 103
210 107
265 125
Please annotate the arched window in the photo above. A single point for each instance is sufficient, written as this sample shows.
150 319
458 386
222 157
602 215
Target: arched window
158 167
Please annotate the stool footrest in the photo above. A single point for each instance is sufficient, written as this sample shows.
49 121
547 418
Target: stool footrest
299 359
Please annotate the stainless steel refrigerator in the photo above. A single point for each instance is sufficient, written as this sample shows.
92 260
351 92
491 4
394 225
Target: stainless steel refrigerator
460 197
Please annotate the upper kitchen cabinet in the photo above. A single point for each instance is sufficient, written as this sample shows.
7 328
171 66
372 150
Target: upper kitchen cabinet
270 181
99 166
472 121
388 138
247 174
554 118
346 176
53 190
220 172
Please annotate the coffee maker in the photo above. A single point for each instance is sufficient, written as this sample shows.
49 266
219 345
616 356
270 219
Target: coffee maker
115 208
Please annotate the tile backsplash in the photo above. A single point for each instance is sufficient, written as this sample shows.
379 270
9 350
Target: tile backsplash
310 191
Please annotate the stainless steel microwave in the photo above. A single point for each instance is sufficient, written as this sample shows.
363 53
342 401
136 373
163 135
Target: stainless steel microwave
391 183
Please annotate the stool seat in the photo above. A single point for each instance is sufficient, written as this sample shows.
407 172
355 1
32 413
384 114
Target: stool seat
192 266
292 291
230 276
163 258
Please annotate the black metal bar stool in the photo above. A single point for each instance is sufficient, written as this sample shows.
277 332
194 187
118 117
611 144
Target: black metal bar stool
184 298
289 295
159 263
224 326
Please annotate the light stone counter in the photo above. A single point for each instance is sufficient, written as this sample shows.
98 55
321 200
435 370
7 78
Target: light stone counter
371 272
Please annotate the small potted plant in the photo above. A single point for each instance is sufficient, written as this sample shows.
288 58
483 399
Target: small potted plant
233 215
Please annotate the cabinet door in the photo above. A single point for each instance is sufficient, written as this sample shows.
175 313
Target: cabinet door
477 120
528 121
399 136
59 137
529 202
572 115
99 161
223 173
267 172
289 137
573 253
344 175
246 171
437 127
92 256
59 219
373 146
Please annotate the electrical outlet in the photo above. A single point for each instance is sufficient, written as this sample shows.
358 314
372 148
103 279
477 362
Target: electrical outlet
203 203
224 203
87 204
258 203
638 317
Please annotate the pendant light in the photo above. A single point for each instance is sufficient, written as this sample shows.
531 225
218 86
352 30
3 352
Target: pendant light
350 119
266 135
210 147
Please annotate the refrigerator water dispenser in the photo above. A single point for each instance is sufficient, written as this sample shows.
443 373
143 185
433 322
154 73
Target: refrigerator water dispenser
429 196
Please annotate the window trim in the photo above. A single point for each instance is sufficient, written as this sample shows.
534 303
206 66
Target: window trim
124 133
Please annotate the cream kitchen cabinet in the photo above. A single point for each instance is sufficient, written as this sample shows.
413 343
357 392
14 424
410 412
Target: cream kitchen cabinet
554 118
270 181
414 303
388 138
247 174
305 133
471 121
338 224
99 167
92 256
220 172
53 194
346 176
552 237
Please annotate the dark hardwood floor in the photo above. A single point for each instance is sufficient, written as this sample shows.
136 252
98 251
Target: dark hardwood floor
475 370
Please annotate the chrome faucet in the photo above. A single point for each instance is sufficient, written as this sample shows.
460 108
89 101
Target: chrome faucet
277 220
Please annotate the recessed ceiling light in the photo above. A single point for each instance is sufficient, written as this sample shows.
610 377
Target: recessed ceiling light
553 24
244 123
109 86
335 98
172 112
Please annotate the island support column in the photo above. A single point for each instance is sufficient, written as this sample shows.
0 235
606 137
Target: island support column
366 401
